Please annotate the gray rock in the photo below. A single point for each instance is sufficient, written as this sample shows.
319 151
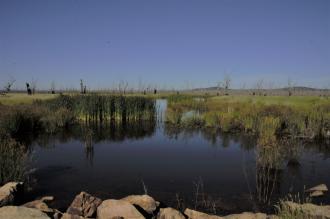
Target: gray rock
84 205
192 214
117 208
14 212
169 213
144 201
9 193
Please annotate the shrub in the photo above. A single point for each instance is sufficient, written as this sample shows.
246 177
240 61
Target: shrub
12 160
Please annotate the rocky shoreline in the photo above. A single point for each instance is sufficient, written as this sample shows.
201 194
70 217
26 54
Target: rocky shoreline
85 205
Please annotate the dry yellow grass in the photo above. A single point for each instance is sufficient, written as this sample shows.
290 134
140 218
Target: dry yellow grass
23 98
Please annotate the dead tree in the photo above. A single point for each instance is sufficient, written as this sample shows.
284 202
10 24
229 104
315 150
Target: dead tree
52 87
9 85
33 86
28 89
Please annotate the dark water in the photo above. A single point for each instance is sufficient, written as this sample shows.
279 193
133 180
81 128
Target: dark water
205 169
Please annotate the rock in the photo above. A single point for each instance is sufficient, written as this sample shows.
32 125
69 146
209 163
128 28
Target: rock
9 193
41 205
117 208
14 212
321 187
47 198
84 205
311 211
192 214
144 201
71 216
169 213
57 215
316 194
247 215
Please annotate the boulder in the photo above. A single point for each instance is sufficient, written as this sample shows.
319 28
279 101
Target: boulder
192 214
310 210
9 193
71 216
321 187
84 205
19 212
117 208
41 205
169 213
316 194
247 215
146 202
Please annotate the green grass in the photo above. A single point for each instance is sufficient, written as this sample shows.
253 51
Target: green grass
298 116
300 101
23 98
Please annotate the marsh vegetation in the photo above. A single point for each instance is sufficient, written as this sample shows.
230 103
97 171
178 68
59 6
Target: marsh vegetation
112 129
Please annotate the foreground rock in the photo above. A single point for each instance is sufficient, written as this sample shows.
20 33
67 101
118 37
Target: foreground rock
318 190
9 193
41 204
249 215
192 214
310 210
71 216
84 205
169 213
112 208
145 202
14 212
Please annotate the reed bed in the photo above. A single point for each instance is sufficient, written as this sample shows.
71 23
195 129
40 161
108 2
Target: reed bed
295 119
60 112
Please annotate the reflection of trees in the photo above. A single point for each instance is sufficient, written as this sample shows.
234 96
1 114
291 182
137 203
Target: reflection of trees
115 132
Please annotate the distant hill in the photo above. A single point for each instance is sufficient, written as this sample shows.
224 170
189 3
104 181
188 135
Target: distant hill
296 88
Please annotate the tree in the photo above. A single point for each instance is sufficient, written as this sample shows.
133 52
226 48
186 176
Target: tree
290 87
52 87
226 83
33 86
122 87
259 86
81 86
9 84
28 89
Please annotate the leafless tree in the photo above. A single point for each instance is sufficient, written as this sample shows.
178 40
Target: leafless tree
290 87
9 84
122 87
33 85
81 86
225 84
227 81
52 87
259 86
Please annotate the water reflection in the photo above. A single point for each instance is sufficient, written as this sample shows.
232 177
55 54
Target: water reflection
230 173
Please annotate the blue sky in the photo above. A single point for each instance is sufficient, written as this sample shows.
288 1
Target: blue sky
168 43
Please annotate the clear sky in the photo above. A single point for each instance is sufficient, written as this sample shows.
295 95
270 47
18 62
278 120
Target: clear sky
169 43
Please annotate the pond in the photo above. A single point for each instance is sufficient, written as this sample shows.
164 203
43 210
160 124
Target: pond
202 169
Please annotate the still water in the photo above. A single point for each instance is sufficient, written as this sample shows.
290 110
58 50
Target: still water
200 169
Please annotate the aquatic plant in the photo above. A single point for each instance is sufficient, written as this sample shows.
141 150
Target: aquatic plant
296 119
13 160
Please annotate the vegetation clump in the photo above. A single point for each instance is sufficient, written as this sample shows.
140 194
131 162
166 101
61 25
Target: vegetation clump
13 159
310 120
